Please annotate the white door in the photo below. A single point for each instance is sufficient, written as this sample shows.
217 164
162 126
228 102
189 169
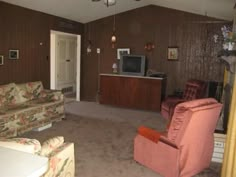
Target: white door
66 53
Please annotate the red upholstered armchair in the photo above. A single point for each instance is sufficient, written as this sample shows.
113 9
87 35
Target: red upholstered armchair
194 89
187 147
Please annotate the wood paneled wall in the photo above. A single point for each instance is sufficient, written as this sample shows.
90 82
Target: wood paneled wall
192 34
25 29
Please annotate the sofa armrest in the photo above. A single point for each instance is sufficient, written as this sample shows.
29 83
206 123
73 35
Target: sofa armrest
53 95
32 146
61 161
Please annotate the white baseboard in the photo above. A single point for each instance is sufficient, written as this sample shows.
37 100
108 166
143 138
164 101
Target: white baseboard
43 127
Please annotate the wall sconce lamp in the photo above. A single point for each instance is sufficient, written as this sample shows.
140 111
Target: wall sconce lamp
149 46
89 42
89 47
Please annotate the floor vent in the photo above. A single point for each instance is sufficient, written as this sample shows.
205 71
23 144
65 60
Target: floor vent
67 89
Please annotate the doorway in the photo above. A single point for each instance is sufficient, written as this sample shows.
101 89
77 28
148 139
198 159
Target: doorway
65 49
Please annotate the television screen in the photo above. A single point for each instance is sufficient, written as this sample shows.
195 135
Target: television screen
132 65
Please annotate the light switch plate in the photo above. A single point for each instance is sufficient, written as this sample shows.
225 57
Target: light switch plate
98 50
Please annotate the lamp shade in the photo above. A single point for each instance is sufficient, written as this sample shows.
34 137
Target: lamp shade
113 38
114 66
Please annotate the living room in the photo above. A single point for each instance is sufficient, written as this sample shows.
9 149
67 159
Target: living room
28 31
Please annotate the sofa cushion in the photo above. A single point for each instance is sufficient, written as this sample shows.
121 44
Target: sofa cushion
29 91
34 88
8 94
23 93
39 101
22 144
51 144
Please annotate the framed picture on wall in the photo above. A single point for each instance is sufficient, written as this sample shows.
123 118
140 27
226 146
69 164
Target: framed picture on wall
122 51
172 53
1 60
13 54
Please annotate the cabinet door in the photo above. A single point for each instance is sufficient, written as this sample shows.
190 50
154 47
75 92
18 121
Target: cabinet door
109 90
140 99
133 93
127 90
154 95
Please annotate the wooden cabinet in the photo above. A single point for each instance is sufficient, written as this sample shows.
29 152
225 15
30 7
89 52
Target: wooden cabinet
131 91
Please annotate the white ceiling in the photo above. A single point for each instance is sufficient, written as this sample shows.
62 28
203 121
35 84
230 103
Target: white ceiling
85 10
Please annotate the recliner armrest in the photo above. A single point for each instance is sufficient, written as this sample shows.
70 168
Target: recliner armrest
149 133
167 141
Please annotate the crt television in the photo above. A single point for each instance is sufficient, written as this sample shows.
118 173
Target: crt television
133 65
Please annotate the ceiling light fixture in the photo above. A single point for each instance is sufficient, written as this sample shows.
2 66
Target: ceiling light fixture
113 37
109 2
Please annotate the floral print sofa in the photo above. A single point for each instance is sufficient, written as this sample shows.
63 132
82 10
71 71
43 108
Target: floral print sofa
61 160
26 106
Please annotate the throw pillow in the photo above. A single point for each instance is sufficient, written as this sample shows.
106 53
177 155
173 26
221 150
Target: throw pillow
23 94
8 94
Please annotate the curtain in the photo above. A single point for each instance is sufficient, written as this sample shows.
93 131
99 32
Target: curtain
229 162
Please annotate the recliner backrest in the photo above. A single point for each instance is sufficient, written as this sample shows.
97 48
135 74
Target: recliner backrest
194 89
206 110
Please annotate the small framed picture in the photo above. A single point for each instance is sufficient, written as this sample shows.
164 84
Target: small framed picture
122 51
14 54
172 53
1 60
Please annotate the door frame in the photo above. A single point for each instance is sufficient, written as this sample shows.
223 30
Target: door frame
53 76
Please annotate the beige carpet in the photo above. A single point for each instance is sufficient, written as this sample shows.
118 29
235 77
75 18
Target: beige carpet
103 138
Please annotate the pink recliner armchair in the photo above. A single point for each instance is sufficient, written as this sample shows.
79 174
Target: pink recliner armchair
186 148
194 89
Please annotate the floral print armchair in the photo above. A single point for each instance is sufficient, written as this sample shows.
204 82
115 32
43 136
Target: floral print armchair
59 153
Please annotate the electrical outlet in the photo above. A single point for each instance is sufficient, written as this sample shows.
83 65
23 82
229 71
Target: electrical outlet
98 50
